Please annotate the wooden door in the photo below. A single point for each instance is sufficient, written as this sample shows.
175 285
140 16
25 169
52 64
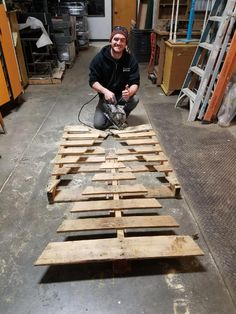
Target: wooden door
123 12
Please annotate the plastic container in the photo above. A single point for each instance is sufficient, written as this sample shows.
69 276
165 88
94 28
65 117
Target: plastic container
140 44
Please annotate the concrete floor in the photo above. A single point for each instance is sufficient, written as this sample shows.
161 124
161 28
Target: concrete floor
28 222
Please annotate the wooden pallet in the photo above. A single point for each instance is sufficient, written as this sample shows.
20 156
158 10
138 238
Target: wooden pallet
81 152
123 220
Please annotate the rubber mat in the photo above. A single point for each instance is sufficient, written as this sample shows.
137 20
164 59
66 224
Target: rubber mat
204 158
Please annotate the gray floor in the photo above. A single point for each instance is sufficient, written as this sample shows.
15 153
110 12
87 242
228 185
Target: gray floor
28 222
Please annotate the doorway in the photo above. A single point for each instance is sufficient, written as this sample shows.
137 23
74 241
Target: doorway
123 12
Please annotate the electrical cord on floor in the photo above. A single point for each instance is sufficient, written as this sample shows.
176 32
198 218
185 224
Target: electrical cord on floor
82 109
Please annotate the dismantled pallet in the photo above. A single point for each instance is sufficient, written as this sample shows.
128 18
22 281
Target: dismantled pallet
74 252
129 208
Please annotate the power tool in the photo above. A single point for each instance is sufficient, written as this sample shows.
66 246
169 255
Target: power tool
116 114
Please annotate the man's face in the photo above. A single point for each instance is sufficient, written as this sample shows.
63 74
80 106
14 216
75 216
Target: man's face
118 43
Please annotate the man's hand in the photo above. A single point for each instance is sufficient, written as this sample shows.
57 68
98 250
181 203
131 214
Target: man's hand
110 97
126 93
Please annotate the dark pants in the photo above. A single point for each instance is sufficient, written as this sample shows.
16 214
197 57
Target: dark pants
100 120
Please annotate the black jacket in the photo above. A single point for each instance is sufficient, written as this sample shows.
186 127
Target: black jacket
114 74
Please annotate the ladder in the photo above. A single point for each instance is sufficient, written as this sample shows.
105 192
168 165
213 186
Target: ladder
208 57
228 69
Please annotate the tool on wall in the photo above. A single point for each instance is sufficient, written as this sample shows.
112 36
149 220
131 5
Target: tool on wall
208 57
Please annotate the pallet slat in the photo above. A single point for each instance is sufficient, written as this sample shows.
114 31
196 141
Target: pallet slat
81 150
74 252
138 203
77 143
115 189
80 136
78 159
148 141
89 224
138 128
139 150
136 135
113 176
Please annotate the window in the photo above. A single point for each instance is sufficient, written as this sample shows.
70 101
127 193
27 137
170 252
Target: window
96 7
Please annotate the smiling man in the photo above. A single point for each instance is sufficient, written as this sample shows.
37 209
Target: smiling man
114 74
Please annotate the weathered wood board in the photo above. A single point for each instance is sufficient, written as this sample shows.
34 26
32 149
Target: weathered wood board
116 204
108 223
84 251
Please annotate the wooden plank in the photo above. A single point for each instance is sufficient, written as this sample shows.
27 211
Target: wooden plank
148 141
155 158
74 169
115 189
73 252
78 159
74 194
172 179
134 203
136 135
124 158
59 171
163 168
51 189
83 128
72 150
149 158
52 184
137 168
81 150
113 176
138 128
161 192
77 143
80 136
133 222
112 165
139 150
